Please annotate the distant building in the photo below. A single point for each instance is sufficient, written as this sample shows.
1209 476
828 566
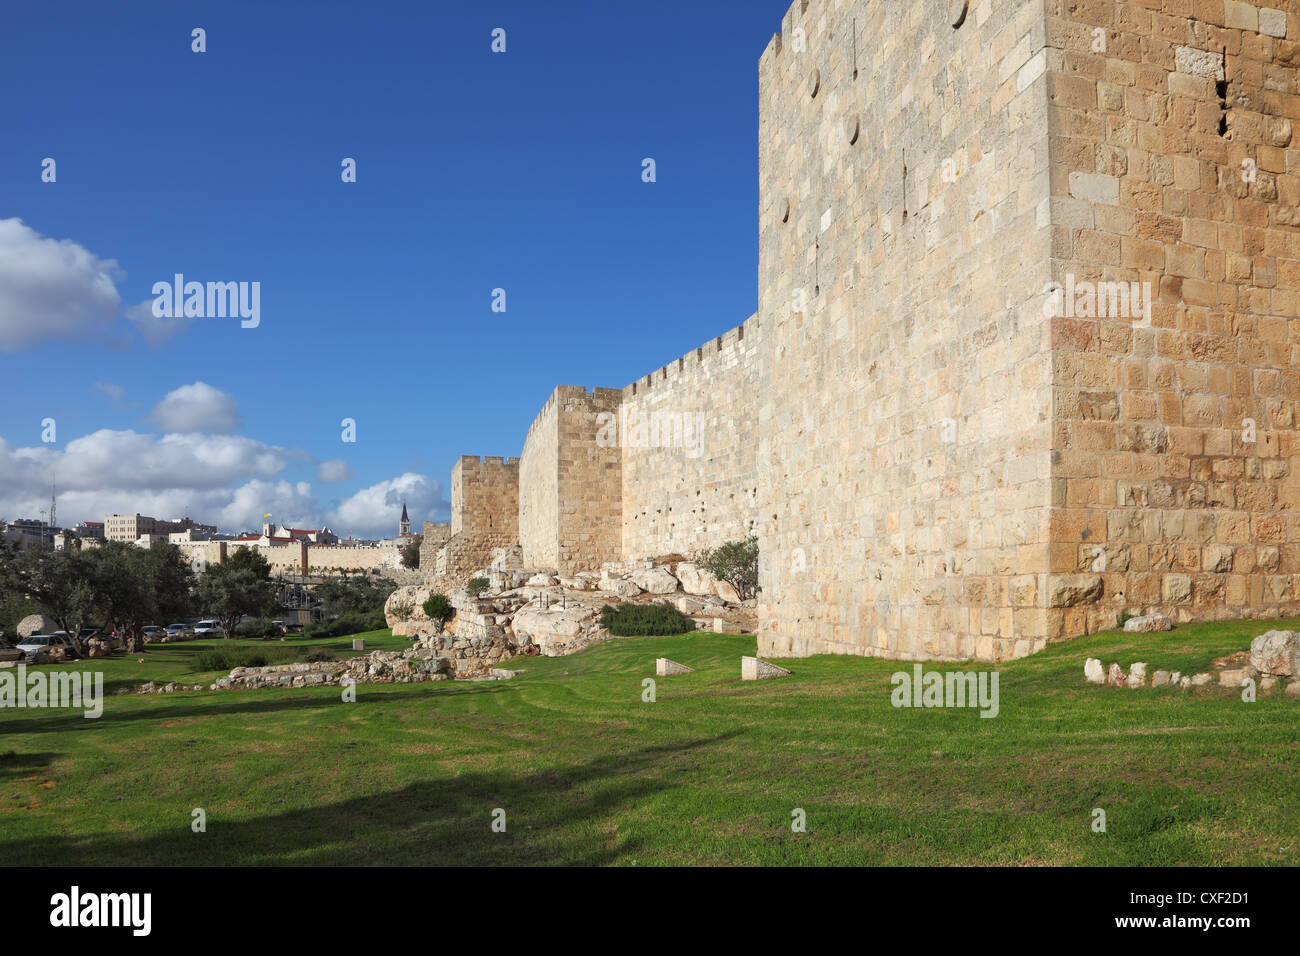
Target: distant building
89 529
404 525
132 527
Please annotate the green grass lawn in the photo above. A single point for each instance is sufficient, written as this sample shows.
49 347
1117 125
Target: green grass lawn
709 773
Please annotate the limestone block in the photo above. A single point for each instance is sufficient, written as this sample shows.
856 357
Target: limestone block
1137 675
666 668
1070 590
1093 672
752 668
1272 22
1148 624
1237 676
1160 679
1275 653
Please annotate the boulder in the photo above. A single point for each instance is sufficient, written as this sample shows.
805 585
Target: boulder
753 668
404 610
696 580
1093 672
655 580
1200 680
666 668
1137 675
1160 679
36 624
541 581
559 629
1275 653
1148 624
1116 676
620 587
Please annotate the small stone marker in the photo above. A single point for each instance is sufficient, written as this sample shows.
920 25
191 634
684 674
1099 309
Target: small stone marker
358 643
751 668
1137 675
666 668
1093 672
718 625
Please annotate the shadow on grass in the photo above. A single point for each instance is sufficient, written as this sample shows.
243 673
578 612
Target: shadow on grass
213 705
16 764
557 816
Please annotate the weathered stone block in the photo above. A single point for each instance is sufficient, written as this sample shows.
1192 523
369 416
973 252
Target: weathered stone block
752 668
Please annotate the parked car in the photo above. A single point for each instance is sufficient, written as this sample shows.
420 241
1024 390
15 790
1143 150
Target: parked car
208 629
151 633
180 632
37 643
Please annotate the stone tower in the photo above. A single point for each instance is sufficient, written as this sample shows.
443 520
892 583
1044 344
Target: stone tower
955 461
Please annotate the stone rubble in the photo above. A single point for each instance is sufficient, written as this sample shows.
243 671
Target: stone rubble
1273 657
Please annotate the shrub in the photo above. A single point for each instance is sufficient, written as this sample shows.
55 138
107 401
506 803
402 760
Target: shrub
439 608
735 562
352 622
642 620
228 658
254 628
477 586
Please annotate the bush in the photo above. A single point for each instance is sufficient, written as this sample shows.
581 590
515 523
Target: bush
735 562
255 628
477 586
439 608
352 622
643 620
228 658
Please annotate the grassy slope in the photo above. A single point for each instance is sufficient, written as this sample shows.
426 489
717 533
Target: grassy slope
709 773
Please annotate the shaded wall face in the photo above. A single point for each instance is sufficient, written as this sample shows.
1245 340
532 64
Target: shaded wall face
688 434
904 402
539 491
1176 175
589 478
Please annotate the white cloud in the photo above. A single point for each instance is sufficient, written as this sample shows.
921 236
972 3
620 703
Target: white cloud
114 391
196 408
374 511
334 470
152 329
226 480
52 289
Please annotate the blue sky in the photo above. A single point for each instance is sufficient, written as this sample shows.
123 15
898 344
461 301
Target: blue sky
475 171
